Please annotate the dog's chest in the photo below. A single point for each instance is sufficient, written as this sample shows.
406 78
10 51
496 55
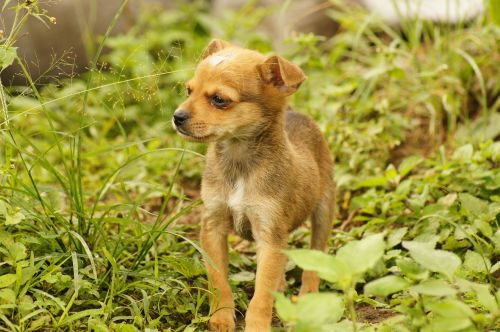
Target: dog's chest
235 200
238 204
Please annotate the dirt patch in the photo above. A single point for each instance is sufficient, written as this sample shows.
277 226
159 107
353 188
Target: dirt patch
418 141
371 315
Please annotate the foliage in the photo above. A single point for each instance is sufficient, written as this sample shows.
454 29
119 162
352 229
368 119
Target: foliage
452 204
98 214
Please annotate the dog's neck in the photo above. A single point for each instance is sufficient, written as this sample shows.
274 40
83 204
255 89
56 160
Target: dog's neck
239 157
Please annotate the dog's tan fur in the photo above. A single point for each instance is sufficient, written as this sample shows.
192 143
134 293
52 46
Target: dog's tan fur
267 170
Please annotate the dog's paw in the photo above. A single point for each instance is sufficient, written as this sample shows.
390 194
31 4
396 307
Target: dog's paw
258 318
222 321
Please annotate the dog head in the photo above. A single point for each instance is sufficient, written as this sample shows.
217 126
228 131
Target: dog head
234 93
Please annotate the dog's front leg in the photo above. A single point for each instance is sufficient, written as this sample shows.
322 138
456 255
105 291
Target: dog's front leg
213 239
270 269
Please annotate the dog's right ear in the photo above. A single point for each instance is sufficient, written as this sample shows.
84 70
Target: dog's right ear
284 75
215 46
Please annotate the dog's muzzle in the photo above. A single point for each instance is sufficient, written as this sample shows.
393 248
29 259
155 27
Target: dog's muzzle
180 117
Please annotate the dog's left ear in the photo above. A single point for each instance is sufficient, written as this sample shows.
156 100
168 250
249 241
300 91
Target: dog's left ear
215 46
283 74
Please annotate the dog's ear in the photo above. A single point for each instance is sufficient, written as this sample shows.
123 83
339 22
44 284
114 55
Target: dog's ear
283 74
215 46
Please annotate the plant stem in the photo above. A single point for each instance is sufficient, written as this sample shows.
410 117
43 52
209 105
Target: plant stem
349 293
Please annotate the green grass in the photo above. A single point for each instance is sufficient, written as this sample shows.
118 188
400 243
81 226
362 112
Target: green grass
99 206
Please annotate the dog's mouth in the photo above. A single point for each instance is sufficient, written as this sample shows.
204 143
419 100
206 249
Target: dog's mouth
190 136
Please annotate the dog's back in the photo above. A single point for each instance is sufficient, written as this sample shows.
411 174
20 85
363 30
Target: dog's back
304 134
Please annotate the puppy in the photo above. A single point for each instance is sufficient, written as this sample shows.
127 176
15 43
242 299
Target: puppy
267 170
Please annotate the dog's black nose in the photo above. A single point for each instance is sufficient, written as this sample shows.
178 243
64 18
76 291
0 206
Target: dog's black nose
180 117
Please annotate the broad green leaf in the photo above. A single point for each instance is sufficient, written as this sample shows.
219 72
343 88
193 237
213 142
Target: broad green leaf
412 269
26 305
327 266
362 255
386 286
7 296
372 182
14 219
322 308
485 298
450 308
484 227
476 263
448 200
243 276
395 236
481 291
434 260
408 164
7 279
285 308
188 267
445 324
450 315
434 287
391 173
404 188
472 205
17 251
311 311
463 153
7 56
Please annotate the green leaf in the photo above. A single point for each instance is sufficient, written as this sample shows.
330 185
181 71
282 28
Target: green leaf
7 56
473 206
484 227
450 315
386 286
408 164
441 261
434 287
391 173
328 267
14 219
463 153
7 296
312 311
476 263
362 255
17 251
445 324
450 308
7 279
412 269
482 293
285 308
243 276
380 181
395 236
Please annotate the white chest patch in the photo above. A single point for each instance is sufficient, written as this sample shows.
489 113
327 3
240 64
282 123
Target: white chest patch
235 200
214 60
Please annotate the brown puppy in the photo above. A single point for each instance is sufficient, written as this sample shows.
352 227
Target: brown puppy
267 170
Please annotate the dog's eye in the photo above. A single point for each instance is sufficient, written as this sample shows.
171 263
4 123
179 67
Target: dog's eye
188 90
218 101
